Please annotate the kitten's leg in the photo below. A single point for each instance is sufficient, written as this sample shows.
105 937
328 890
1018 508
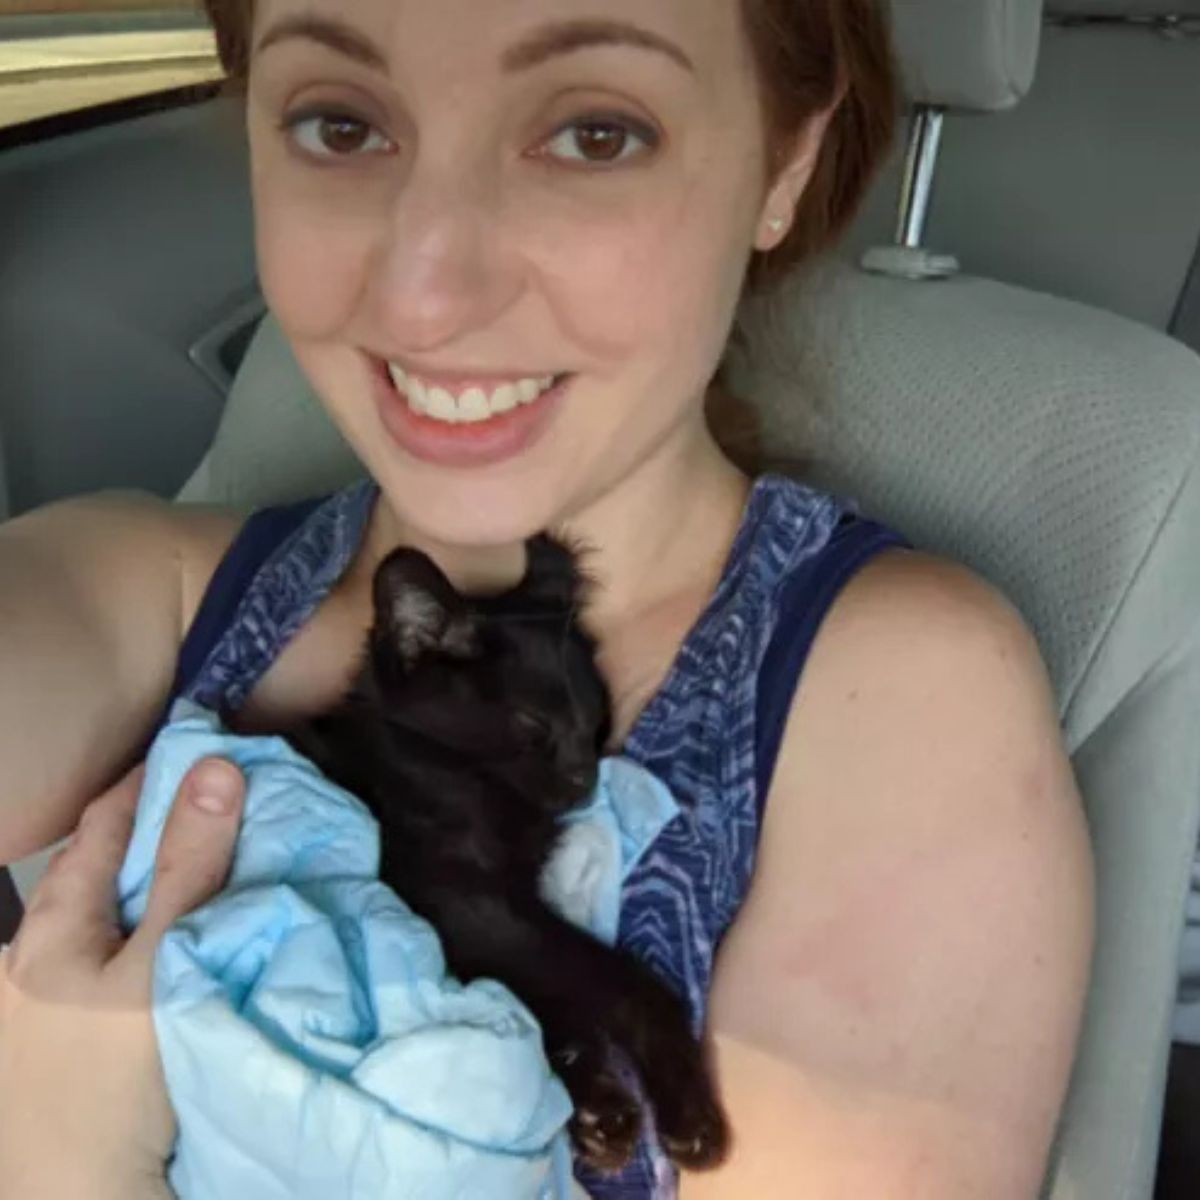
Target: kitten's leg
586 994
640 1013
546 963
652 1023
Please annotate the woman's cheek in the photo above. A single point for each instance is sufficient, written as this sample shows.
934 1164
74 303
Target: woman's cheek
312 233
608 279
311 269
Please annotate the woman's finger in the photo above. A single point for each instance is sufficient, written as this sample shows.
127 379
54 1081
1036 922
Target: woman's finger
72 915
196 849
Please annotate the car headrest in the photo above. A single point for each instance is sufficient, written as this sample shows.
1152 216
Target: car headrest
1123 8
970 55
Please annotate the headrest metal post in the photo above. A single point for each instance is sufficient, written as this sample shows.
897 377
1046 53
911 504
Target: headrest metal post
907 257
920 167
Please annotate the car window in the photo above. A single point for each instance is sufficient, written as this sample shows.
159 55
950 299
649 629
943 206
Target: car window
63 56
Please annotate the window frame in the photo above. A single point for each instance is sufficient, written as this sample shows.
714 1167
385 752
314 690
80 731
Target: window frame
117 16
111 112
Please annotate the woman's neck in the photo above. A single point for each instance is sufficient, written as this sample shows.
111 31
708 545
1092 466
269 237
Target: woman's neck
666 527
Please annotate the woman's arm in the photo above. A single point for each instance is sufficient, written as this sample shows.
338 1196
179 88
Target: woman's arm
895 1012
94 597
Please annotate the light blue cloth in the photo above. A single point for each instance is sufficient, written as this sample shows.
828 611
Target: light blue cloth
312 1042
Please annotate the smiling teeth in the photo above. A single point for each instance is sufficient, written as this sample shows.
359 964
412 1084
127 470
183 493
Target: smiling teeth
474 405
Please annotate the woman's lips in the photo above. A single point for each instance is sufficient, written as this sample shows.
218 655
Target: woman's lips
474 444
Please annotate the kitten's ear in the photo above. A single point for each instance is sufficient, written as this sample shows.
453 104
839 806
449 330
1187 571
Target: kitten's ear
419 612
553 574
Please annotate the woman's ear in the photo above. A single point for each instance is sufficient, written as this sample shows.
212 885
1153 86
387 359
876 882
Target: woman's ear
792 172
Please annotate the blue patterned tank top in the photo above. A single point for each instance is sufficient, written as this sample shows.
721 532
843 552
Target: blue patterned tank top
711 733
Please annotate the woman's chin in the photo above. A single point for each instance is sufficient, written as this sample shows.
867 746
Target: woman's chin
460 509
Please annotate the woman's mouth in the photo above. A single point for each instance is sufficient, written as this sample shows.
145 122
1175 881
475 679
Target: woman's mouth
472 425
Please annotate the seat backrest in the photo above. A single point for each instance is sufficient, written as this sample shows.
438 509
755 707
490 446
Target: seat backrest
1051 447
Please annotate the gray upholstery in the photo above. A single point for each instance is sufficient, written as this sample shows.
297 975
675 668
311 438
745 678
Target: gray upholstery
973 55
122 245
271 410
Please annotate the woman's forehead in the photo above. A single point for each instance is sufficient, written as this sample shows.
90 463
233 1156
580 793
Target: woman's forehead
696 35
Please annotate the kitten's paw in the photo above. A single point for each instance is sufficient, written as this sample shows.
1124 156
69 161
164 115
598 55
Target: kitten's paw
607 1123
694 1132
606 1134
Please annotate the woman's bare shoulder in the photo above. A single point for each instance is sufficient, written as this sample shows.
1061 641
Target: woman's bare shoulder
96 594
918 935
127 537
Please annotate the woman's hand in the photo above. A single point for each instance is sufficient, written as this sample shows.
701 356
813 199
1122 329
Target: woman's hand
84 1111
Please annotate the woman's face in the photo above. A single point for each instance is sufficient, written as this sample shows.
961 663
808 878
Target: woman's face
458 202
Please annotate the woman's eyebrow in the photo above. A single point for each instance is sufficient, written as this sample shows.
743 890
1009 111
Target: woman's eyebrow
334 35
569 36
540 46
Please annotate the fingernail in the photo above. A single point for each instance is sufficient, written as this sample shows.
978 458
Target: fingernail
216 792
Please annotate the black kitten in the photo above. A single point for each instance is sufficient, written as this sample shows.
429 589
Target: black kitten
475 723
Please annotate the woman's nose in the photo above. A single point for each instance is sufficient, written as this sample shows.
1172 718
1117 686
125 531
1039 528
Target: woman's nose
442 267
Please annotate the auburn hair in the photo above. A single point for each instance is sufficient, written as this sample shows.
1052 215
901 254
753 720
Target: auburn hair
813 57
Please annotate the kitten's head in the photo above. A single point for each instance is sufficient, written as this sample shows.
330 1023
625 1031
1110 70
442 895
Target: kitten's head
507 682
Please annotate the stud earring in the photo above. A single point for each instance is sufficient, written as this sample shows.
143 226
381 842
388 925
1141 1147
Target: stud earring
776 225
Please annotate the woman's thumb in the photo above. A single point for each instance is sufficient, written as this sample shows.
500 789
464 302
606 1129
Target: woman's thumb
196 850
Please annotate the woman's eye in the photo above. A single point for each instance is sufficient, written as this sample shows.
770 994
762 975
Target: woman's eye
602 141
332 135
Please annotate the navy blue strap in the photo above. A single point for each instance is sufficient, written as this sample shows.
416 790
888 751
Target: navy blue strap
11 908
807 598
257 540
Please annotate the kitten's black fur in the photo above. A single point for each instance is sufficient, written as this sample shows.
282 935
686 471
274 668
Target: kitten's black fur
475 723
